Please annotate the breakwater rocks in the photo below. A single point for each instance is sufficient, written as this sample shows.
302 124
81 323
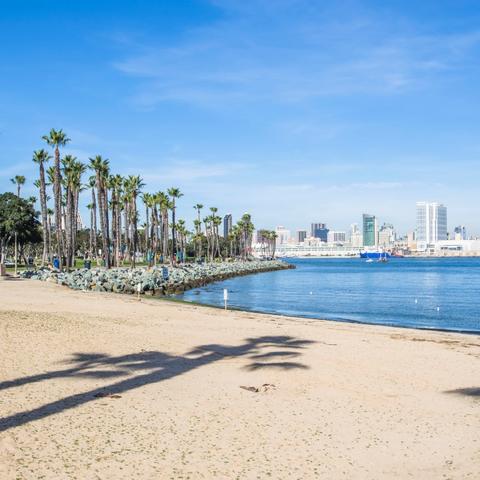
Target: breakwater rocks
155 281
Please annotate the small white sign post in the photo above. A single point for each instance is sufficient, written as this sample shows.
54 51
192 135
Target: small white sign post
225 297
139 289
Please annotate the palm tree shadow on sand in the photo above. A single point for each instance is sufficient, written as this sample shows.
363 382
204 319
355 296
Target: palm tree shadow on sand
144 368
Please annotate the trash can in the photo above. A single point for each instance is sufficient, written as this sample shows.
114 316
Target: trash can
165 273
87 264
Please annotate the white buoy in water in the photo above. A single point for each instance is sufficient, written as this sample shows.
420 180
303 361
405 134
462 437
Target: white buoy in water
438 309
416 300
311 293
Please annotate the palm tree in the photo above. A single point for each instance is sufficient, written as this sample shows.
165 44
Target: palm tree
182 234
174 194
72 181
165 204
101 168
116 183
56 139
133 185
149 201
18 180
198 230
41 157
93 218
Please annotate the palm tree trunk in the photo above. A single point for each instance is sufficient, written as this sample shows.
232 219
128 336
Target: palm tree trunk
43 208
57 190
119 232
105 228
174 245
94 225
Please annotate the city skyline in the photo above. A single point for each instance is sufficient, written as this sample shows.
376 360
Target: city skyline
295 113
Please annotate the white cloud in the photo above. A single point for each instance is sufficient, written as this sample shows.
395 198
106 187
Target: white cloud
304 52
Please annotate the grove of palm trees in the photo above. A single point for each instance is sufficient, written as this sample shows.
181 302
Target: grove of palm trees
121 230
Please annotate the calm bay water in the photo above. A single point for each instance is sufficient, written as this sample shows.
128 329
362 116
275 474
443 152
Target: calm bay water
441 293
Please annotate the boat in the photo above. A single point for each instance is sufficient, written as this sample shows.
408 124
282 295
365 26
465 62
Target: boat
375 255
369 260
383 258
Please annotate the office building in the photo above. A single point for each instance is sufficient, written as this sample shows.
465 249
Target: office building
431 223
283 235
356 238
370 230
320 231
227 225
460 233
336 237
386 236
300 236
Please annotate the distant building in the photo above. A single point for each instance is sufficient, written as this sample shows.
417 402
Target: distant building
320 230
370 230
283 235
336 237
460 233
386 236
412 241
431 224
227 225
300 236
356 238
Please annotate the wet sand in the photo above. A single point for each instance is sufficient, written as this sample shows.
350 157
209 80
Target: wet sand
97 386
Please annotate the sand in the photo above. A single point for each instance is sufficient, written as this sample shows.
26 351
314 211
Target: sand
97 386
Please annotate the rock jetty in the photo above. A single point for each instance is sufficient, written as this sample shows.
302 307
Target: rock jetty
154 281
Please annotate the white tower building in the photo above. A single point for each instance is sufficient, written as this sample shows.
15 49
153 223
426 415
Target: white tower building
431 223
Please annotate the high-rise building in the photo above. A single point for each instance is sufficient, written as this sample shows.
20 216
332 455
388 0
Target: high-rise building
460 232
370 230
356 239
300 236
412 240
336 237
320 231
283 235
431 223
227 225
386 236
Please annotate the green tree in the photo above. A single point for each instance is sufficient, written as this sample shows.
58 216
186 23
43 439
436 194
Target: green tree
17 216
102 169
174 194
19 181
41 157
57 139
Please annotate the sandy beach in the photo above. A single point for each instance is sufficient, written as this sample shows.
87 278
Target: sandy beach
97 386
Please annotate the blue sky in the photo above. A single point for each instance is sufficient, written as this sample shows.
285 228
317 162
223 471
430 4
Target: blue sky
293 110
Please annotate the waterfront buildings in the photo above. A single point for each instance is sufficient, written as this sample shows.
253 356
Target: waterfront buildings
370 230
227 225
319 230
356 237
460 233
300 236
386 236
411 241
336 237
283 235
431 224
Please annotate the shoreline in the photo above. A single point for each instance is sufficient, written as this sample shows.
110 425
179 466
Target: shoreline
309 318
